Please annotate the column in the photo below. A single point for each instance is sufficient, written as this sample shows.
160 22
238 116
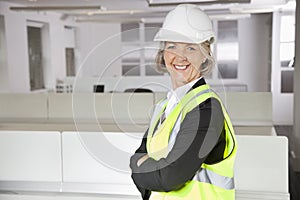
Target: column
296 141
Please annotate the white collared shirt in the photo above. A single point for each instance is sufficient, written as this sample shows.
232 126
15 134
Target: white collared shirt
174 96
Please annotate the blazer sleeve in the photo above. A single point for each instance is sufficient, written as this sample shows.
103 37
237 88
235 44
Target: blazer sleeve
140 152
201 133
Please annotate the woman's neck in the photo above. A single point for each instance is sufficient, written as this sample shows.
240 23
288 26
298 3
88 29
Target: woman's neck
178 83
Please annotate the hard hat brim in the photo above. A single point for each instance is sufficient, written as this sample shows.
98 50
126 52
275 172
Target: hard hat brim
164 35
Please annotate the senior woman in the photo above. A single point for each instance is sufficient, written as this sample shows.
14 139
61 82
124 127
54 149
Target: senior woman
188 151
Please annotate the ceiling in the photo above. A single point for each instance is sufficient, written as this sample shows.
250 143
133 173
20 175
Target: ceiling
120 10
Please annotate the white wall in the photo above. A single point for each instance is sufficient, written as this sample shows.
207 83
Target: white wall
255 48
17 59
17 49
99 47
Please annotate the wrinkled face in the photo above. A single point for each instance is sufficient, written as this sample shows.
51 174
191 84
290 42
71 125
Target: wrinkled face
183 61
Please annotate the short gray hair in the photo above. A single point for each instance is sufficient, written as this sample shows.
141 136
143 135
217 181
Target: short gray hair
205 48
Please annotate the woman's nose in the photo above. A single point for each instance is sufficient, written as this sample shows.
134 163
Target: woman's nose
180 56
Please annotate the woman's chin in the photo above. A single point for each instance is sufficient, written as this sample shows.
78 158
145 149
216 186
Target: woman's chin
179 81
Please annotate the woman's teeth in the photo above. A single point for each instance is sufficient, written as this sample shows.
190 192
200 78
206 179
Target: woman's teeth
180 67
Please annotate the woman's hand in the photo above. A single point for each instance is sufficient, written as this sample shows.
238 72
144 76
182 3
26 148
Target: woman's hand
142 159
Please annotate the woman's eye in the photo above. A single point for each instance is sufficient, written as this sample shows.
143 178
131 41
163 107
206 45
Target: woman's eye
171 47
191 48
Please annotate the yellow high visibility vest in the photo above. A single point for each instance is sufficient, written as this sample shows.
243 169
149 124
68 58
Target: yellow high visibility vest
211 182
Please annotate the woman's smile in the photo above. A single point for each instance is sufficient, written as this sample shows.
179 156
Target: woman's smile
181 67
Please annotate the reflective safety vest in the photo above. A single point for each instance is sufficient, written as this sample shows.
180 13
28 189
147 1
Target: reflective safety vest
211 181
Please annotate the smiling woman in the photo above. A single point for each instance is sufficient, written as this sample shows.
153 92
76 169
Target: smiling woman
205 68
189 149
199 56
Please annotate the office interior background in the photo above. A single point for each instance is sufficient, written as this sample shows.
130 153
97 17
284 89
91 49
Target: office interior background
69 74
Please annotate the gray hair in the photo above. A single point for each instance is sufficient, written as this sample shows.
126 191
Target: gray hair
206 67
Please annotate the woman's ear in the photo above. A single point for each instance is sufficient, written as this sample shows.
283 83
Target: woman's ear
204 63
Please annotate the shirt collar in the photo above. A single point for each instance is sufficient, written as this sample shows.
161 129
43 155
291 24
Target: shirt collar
179 92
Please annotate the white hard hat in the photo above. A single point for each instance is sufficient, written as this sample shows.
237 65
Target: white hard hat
186 23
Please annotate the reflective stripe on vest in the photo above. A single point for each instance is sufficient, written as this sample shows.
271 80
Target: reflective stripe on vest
207 176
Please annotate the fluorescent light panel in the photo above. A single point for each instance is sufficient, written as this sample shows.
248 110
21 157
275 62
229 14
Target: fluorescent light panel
241 10
124 20
175 2
46 8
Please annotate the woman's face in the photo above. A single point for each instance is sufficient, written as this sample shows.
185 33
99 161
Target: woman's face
183 61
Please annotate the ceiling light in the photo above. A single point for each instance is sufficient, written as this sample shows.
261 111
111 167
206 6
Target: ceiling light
115 12
253 10
175 2
124 20
229 16
46 8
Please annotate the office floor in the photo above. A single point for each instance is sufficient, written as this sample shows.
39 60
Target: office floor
294 177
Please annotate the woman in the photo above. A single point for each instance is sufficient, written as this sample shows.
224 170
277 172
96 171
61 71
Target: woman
189 148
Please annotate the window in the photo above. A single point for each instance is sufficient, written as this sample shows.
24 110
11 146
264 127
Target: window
227 49
70 62
287 52
35 58
3 58
130 49
69 32
130 32
138 49
131 69
152 47
287 79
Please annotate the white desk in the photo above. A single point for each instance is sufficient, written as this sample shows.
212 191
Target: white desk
95 165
